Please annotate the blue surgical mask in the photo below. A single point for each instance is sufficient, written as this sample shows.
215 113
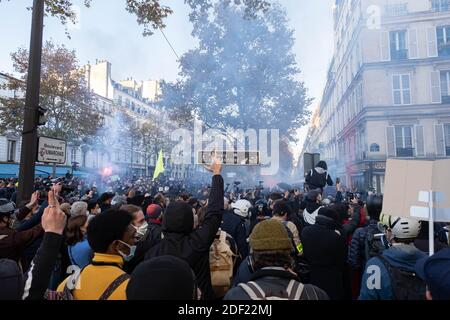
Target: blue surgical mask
127 257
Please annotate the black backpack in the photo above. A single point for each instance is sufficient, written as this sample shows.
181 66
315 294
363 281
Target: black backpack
406 285
375 243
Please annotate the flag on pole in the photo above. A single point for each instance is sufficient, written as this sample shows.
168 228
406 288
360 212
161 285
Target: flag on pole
159 166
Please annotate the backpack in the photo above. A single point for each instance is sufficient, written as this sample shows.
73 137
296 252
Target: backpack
295 249
221 263
66 294
375 243
255 292
406 285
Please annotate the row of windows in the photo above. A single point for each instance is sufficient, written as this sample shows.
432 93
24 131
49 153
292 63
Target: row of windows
440 88
402 141
131 105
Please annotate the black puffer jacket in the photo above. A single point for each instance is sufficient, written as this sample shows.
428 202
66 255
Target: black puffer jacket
356 250
192 246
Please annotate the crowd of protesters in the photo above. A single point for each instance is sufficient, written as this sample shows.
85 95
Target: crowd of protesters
181 240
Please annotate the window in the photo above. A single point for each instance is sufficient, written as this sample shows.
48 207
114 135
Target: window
374 147
404 141
401 89
73 155
445 86
398 45
119 101
398 9
447 139
443 40
440 5
11 150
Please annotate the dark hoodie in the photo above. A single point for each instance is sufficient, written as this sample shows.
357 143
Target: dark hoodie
325 250
318 178
400 256
180 240
11 280
162 278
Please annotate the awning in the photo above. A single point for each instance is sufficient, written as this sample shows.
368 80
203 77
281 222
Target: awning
11 170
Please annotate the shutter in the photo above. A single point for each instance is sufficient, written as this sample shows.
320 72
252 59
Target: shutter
436 96
420 143
432 42
384 45
390 138
412 44
440 142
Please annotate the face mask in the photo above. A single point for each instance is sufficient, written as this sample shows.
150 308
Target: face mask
98 211
141 230
130 255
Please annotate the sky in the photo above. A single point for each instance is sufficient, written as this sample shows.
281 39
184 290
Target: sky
107 31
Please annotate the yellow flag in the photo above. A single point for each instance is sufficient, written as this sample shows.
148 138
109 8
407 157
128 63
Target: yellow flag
159 166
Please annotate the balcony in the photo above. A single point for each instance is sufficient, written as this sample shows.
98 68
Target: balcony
440 5
405 152
445 99
399 54
444 49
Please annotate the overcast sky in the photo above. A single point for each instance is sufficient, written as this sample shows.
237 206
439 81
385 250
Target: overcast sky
107 31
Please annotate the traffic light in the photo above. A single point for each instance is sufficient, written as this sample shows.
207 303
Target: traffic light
41 116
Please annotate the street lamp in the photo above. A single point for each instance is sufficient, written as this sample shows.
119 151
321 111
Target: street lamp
31 113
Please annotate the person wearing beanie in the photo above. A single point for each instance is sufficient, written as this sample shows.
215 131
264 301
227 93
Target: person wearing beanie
325 250
435 271
162 278
318 177
182 241
272 264
396 265
13 243
154 219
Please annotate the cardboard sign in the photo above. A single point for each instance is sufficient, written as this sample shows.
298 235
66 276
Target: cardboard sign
407 189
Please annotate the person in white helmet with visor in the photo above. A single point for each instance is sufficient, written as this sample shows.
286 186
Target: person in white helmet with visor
391 275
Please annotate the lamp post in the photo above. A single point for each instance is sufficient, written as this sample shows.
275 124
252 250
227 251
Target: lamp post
31 113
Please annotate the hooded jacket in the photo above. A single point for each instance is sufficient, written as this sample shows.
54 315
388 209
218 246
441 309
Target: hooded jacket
192 246
11 280
318 177
310 213
325 250
403 256
273 280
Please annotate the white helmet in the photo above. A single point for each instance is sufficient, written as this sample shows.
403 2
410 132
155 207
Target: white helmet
242 208
401 227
